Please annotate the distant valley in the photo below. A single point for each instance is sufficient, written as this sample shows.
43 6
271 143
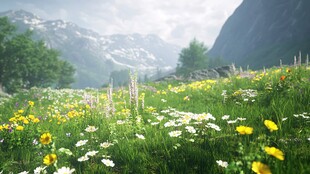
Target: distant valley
95 56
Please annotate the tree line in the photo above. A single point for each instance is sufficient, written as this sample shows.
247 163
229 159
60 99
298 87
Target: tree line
25 63
194 57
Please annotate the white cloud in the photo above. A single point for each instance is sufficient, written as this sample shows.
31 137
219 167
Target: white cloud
176 21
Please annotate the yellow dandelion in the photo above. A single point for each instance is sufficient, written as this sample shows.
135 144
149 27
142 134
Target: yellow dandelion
260 168
20 111
270 125
275 152
35 120
25 121
13 119
20 128
46 138
244 130
49 159
30 103
31 117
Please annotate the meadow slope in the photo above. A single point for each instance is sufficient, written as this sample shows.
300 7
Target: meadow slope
256 122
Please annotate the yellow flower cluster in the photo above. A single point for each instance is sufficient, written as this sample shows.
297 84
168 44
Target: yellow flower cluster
260 168
198 85
46 138
243 130
19 121
275 152
270 125
49 159
31 103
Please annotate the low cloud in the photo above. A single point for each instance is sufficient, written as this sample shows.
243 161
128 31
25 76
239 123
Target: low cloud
176 21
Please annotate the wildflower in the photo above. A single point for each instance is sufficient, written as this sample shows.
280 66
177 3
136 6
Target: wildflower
275 152
283 119
46 138
282 78
159 118
170 123
260 168
270 125
140 136
175 133
25 121
81 143
40 170
49 159
36 120
106 144
244 130
91 153
91 129
213 126
232 121
20 128
225 117
190 129
186 98
20 111
66 151
30 103
83 158
24 172
64 170
108 162
35 142
222 163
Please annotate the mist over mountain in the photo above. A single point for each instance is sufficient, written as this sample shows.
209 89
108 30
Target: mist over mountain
95 56
260 33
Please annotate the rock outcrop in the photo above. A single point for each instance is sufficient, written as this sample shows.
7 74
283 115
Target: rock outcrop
213 73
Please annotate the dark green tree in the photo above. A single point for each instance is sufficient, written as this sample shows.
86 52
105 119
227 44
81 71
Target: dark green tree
120 78
192 58
6 31
66 75
25 63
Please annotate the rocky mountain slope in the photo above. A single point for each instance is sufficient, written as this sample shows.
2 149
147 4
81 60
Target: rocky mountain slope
261 32
95 56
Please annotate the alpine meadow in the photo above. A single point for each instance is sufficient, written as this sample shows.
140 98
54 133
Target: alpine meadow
255 121
154 87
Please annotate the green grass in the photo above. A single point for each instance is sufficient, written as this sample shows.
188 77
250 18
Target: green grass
173 106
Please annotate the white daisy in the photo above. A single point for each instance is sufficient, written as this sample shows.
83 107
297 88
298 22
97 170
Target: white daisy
81 143
64 170
108 162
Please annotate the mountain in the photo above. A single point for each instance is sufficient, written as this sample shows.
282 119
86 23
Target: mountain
95 56
261 32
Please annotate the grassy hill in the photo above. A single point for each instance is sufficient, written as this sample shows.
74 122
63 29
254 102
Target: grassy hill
255 123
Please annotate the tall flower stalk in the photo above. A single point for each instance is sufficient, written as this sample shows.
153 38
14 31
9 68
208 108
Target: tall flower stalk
110 109
133 94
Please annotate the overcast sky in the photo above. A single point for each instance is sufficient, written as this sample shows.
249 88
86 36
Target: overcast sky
175 21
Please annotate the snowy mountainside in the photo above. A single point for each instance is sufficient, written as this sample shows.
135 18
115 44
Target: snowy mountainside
95 56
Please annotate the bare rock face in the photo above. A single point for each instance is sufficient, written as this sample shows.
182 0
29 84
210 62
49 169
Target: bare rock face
261 32
213 73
